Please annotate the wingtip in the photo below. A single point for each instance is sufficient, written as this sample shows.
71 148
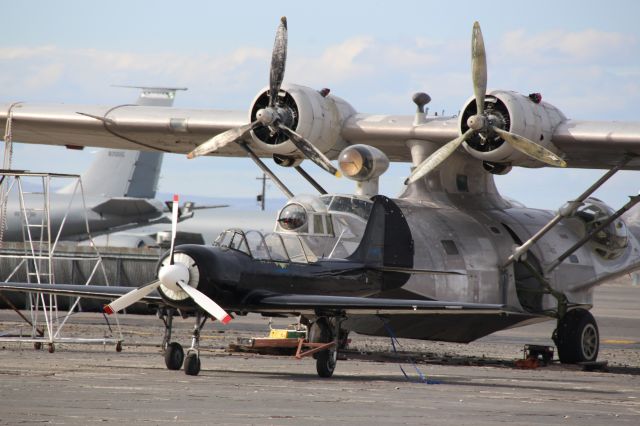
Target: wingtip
226 319
190 155
107 309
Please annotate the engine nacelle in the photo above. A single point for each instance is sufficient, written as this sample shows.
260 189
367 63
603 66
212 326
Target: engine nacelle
517 114
306 111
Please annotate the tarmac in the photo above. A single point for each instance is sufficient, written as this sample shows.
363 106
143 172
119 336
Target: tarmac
448 384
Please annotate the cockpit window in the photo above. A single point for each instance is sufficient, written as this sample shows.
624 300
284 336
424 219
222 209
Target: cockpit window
234 239
351 205
292 217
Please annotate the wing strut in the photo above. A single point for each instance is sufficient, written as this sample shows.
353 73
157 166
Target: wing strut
568 209
311 180
281 186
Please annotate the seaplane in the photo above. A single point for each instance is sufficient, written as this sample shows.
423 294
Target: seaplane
449 259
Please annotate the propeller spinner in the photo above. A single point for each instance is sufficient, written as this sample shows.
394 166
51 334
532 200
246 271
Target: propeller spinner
481 122
272 116
174 276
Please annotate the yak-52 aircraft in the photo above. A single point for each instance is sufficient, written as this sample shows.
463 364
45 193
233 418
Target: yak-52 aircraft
450 259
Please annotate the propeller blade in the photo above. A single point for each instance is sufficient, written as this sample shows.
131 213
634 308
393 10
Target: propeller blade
223 139
437 157
175 210
205 303
530 148
309 150
130 298
278 62
478 67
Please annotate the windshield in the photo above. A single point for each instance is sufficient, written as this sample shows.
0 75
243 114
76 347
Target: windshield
348 204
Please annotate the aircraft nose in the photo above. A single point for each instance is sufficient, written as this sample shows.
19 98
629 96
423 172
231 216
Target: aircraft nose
169 275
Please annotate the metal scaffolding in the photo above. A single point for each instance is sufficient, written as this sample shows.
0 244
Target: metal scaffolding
39 258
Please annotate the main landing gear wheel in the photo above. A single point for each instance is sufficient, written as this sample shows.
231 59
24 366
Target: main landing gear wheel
173 356
325 360
192 364
577 337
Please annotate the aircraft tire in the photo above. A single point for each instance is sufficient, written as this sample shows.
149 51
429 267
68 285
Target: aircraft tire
192 364
325 360
173 356
577 337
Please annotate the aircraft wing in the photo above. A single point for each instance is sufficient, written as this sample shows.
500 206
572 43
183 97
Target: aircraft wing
584 144
181 130
290 303
300 303
100 292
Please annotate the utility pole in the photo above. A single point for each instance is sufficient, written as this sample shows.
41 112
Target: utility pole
261 197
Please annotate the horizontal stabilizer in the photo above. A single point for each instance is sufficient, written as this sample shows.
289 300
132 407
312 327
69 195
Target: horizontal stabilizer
128 207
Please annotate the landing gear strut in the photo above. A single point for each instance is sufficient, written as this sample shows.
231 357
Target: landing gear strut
192 361
577 337
173 353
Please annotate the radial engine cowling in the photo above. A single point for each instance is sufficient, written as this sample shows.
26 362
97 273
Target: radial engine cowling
316 117
517 114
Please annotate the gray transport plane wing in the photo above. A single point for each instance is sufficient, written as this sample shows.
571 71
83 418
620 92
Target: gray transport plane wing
585 144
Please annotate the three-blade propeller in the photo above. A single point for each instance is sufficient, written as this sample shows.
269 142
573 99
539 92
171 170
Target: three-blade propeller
481 123
272 115
174 276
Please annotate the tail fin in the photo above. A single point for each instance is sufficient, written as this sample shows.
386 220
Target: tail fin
121 173
387 239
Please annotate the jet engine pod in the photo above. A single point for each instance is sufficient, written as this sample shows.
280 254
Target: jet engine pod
610 242
516 113
316 117
362 162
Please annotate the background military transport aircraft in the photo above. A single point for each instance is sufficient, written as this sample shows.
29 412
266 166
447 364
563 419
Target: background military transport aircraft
119 189
450 259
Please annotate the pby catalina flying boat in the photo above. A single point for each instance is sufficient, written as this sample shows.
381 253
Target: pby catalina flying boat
449 259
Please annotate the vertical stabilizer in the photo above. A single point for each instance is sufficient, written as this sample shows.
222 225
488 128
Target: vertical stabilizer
121 173
387 239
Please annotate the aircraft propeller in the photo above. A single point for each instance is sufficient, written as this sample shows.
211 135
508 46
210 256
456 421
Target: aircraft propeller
272 116
174 276
481 122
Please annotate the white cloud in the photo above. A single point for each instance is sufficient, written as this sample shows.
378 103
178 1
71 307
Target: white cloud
582 46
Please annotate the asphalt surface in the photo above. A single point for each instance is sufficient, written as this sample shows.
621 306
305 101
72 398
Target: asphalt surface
476 383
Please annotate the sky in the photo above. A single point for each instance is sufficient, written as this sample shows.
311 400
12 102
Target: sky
583 56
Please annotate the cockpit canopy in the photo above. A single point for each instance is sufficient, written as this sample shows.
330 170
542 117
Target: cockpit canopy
270 246
307 228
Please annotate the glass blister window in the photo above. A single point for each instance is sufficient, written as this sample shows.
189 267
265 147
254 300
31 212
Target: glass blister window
292 217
